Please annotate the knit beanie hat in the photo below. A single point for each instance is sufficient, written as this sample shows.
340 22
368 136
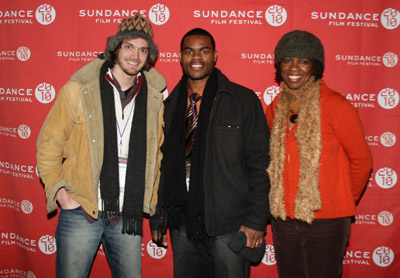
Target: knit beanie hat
300 44
135 23
133 27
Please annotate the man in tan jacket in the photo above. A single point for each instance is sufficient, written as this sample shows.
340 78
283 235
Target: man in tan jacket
99 156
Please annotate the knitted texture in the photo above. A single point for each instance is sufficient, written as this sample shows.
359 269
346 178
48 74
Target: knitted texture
137 22
299 44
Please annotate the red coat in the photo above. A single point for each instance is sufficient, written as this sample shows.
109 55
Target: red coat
345 162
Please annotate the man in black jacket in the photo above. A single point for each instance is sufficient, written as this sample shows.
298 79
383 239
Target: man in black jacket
214 182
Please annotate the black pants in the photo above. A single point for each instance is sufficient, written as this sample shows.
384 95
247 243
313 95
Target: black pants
310 251
210 258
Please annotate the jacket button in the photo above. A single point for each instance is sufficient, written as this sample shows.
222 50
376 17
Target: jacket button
93 212
90 116
85 92
93 141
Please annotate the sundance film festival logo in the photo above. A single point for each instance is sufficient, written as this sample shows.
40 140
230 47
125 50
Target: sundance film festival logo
276 15
154 251
390 18
45 14
168 57
258 58
386 178
16 273
78 56
45 93
384 218
159 14
13 239
25 206
383 256
388 139
23 131
47 244
389 60
347 19
388 98
269 256
17 170
362 100
22 54
270 93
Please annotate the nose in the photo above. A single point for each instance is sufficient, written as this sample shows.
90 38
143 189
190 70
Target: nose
294 65
196 55
135 53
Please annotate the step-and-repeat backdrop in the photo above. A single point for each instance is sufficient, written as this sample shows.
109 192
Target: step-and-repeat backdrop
43 42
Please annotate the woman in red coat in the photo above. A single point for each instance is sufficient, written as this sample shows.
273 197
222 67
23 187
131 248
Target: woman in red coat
320 162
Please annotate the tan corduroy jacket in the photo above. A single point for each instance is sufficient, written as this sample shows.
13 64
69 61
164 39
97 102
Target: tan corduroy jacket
70 143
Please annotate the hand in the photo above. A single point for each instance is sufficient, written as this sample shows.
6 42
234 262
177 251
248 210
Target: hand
156 237
65 201
254 238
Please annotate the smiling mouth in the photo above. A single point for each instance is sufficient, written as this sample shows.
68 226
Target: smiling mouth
294 78
196 66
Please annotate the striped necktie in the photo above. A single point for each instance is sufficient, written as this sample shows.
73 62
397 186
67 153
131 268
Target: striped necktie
191 124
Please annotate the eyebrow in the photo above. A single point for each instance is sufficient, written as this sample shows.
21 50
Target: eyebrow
201 48
146 47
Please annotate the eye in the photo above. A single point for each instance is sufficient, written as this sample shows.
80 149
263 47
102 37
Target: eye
127 46
188 51
205 51
144 50
303 61
286 60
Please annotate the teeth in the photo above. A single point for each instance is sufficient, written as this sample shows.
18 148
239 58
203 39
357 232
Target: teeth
294 78
196 66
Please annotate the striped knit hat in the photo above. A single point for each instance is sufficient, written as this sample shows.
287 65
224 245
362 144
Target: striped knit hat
135 23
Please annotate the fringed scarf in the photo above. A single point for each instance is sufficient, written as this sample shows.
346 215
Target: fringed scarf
308 135
132 209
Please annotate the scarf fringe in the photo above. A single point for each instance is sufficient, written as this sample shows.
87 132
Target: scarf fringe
110 207
132 225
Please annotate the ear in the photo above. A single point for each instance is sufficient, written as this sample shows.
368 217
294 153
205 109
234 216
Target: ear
180 57
215 56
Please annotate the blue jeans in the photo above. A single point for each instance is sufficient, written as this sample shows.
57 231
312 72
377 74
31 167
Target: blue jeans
210 258
78 241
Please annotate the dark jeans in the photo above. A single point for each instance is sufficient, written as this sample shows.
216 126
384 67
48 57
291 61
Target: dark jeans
310 251
208 258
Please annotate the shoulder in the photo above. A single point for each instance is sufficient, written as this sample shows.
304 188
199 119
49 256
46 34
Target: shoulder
333 100
335 106
235 89
88 72
155 80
